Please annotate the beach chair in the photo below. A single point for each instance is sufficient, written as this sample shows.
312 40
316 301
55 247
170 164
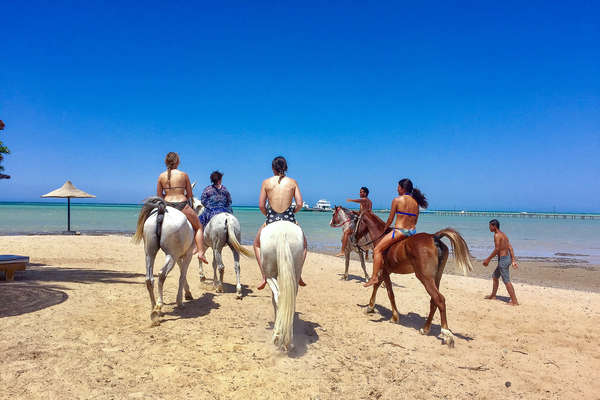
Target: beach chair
10 263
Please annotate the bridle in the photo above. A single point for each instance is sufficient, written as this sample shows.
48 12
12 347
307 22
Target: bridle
368 243
340 224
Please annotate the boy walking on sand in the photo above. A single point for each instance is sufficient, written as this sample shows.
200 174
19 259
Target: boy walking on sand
506 257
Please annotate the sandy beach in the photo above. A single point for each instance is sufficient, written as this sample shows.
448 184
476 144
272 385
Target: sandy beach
76 325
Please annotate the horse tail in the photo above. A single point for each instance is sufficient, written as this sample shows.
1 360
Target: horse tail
149 204
233 242
286 305
459 247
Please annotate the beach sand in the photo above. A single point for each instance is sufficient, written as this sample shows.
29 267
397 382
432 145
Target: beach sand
76 324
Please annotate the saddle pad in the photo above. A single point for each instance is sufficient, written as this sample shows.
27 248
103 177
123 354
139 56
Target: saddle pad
10 259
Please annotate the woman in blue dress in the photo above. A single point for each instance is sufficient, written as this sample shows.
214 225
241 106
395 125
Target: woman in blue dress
215 199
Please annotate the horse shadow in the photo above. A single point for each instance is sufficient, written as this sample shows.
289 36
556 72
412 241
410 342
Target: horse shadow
352 277
305 333
413 320
196 308
230 288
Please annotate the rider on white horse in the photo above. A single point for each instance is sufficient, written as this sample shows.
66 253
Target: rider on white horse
215 199
174 188
279 190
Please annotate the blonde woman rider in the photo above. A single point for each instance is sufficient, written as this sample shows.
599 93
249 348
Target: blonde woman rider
405 208
175 188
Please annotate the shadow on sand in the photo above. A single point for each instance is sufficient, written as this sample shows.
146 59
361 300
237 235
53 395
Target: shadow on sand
412 320
44 273
196 308
17 298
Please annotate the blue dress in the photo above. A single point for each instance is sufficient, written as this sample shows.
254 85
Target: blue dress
215 201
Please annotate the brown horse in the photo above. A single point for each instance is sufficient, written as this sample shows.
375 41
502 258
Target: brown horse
423 254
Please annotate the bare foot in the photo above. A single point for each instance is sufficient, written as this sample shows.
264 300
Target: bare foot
490 297
511 303
340 254
262 284
301 282
371 282
202 258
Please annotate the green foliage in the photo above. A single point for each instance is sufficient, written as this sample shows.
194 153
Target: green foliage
3 150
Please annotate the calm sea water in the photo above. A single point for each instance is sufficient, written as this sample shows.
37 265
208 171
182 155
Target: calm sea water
579 239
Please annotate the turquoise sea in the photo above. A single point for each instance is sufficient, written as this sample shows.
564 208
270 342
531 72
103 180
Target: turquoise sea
575 240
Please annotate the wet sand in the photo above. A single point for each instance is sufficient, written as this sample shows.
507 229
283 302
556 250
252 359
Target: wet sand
76 325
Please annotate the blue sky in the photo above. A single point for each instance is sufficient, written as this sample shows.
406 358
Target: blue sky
483 105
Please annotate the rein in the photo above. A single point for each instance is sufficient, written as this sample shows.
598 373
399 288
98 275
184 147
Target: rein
372 241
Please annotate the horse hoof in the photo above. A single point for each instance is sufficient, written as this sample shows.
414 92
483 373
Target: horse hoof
188 296
155 317
449 341
345 277
369 310
202 279
423 332
395 321
238 296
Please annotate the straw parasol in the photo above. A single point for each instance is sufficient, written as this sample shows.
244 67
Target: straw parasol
68 190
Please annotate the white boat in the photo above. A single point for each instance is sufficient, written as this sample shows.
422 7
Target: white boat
323 205
305 205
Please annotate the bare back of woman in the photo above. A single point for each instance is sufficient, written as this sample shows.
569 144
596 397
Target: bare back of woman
175 188
279 190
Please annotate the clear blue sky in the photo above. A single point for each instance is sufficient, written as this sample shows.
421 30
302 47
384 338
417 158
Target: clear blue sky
484 105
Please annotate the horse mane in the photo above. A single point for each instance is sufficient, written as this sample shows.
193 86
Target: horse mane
349 213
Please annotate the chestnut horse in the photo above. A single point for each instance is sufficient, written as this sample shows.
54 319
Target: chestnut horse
423 254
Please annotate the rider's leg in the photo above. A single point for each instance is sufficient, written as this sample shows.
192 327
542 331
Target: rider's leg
300 281
198 233
344 243
200 244
389 239
256 246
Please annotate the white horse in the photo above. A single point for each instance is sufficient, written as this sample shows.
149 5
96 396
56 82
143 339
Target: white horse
166 228
224 229
282 256
345 219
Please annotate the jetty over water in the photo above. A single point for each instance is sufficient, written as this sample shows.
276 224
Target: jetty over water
513 214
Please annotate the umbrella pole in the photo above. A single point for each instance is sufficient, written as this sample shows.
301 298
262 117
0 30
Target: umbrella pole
68 214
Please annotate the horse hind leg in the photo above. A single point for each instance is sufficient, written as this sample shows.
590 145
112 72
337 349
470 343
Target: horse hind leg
157 311
184 263
440 302
442 258
150 257
218 265
236 267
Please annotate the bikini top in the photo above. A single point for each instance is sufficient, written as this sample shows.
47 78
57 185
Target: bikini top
405 213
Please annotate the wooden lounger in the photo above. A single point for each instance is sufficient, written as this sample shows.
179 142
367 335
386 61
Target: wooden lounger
9 264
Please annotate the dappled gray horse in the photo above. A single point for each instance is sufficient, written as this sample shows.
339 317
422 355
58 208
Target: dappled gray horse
166 228
224 229
345 219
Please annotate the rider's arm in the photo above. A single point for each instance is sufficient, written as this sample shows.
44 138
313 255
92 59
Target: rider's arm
298 197
360 201
159 189
512 256
228 195
188 188
262 199
392 214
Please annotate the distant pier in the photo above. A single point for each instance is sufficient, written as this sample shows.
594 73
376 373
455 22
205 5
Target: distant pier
512 214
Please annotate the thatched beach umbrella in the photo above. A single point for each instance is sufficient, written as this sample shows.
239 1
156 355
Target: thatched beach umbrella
68 190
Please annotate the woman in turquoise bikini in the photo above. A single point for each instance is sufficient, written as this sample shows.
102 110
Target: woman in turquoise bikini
405 208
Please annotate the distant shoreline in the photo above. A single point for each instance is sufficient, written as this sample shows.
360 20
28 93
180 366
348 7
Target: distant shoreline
61 202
